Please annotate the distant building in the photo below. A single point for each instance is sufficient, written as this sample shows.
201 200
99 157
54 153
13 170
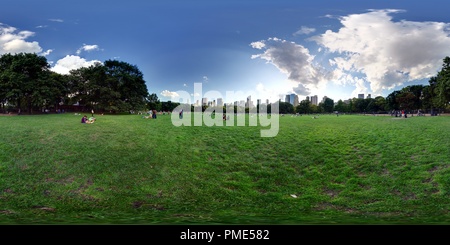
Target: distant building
360 96
292 99
249 103
296 102
204 101
220 102
368 96
314 100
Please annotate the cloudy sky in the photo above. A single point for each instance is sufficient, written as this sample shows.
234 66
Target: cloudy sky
261 48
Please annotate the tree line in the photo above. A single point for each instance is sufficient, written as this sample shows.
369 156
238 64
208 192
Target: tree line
28 85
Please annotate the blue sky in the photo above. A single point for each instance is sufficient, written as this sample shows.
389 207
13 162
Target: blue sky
261 48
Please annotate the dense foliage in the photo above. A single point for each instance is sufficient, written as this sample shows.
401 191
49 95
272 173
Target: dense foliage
27 84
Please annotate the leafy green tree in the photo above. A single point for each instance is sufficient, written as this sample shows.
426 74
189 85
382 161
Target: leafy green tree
114 86
286 108
130 84
327 105
86 85
304 107
391 101
341 106
427 97
417 91
21 76
442 89
380 104
406 100
153 102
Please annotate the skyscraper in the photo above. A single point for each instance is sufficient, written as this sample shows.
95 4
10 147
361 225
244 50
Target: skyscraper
219 102
314 100
292 99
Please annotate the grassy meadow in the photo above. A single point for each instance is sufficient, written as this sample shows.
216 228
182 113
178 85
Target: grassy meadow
124 169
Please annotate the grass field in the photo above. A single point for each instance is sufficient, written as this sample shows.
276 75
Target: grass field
124 169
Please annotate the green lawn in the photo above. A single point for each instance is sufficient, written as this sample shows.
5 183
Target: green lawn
124 169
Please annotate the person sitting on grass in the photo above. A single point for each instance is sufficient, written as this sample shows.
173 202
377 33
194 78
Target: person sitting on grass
84 119
90 120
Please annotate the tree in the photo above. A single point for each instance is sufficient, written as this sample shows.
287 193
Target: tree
286 108
89 86
21 78
341 106
391 101
304 107
380 104
417 91
130 83
442 89
327 105
406 100
153 102
113 86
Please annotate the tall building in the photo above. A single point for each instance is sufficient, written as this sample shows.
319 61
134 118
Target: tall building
249 103
360 96
296 102
287 98
204 101
292 99
368 96
314 100
219 102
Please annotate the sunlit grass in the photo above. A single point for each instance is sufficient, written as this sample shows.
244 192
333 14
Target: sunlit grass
125 169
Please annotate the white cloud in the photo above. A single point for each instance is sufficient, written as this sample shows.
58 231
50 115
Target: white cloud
56 20
385 52
46 52
87 48
167 93
294 60
304 30
258 45
13 41
71 62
